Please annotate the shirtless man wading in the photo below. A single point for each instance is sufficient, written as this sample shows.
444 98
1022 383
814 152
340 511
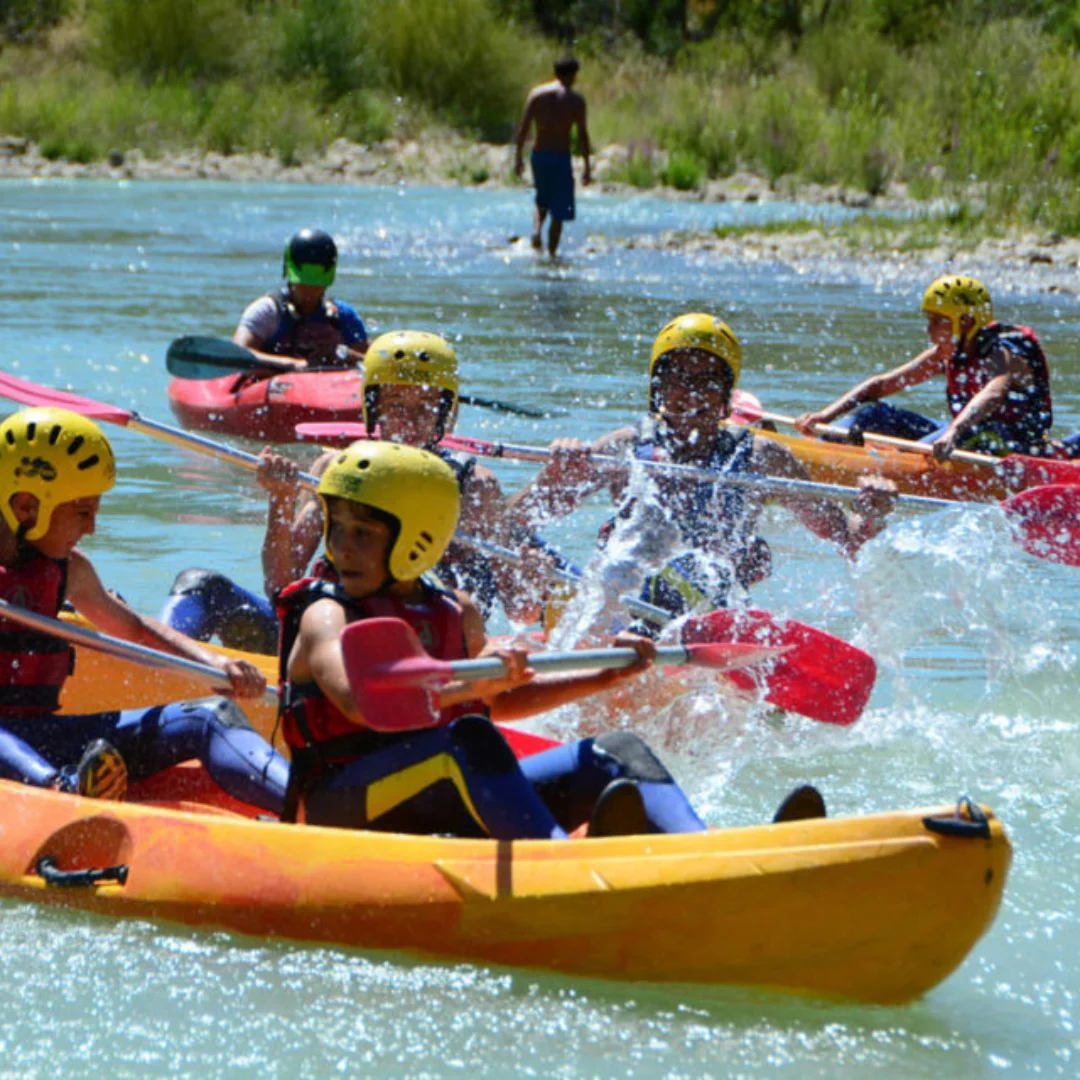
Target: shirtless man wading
555 108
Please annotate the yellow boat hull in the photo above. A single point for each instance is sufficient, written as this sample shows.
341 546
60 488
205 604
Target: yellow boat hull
874 909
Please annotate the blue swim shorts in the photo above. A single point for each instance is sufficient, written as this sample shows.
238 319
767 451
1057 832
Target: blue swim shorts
554 180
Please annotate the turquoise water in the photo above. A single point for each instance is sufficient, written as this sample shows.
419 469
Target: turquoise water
977 642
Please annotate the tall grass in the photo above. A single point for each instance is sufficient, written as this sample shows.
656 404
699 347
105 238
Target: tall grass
983 107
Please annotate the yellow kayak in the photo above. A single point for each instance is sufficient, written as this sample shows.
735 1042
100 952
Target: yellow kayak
102 683
919 474
875 909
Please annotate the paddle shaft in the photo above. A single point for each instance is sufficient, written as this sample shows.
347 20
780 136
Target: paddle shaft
124 650
888 440
491 667
810 487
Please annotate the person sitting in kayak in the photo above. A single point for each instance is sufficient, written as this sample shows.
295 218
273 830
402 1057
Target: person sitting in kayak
54 467
695 365
411 396
997 382
390 511
300 322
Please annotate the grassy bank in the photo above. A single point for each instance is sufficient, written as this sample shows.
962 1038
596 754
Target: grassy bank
976 103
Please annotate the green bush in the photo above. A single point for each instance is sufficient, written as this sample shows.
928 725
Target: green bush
323 41
457 58
683 172
167 38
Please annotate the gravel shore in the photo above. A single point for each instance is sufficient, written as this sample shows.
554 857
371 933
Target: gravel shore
1017 261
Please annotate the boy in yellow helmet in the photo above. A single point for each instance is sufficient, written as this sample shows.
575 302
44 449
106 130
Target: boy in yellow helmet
411 397
390 511
694 367
997 382
54 467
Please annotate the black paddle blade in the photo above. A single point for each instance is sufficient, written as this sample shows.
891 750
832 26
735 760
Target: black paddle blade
509 407
195 357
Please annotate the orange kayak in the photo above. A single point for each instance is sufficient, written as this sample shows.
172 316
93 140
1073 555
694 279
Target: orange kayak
876 909
919 474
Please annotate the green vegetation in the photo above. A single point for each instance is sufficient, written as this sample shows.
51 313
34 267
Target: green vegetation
976 102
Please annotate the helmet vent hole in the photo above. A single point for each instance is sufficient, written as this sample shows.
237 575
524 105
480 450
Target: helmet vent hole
55 434
422 356
400 354
31 431
363 464
10 435
76 445
88 463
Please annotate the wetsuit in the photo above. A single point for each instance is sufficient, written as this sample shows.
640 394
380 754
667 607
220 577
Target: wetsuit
1022 423
35 743
715 523
459 777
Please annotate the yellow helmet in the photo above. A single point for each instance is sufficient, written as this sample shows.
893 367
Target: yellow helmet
955 296
411 358
55 455
414 486
698 331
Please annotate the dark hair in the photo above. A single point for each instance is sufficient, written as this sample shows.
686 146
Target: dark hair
566 65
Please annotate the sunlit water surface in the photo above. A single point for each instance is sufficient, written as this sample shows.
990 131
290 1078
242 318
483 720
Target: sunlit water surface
977 642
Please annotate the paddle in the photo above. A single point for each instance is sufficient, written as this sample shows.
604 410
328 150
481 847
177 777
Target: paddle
523 743
197 357
1055 540
125 650
820 676
747 410
392 677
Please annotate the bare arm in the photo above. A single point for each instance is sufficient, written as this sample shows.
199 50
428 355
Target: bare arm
849 530
243 336
583 143
570 477
293 532
1006 368
527 118
113 616
926 365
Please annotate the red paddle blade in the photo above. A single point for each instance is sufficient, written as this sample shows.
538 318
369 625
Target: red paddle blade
526 743
331 433
391 676
1048 521
745 408
819 676
28 393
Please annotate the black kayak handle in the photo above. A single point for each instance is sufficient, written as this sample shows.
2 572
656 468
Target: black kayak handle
53 875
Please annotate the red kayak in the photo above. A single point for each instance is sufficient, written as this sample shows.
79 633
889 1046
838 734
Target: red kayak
267 409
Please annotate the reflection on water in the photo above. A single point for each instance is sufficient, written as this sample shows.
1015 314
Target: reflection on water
977 643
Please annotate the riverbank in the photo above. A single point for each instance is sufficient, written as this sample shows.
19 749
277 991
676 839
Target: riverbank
897 236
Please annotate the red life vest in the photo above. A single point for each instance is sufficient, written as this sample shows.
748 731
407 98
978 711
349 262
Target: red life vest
309 719
33 666
1027 409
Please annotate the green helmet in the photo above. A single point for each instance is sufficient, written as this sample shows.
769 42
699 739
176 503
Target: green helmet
310 258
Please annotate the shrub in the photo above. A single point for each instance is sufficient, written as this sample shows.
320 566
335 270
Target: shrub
167 38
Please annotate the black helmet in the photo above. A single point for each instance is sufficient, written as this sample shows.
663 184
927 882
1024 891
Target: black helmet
310 258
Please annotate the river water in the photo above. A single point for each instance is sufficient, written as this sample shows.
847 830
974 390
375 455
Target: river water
978 644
